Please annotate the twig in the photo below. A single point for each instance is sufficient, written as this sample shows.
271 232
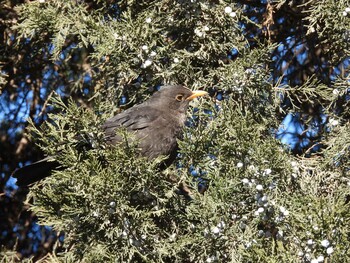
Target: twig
45 103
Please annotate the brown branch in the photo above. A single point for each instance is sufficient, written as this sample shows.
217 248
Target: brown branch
45 103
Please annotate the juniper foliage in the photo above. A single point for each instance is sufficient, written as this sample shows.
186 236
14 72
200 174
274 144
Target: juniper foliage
262 201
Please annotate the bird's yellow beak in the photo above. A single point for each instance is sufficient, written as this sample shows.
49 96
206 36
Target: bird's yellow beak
197 93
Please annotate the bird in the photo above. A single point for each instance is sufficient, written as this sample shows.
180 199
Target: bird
156 124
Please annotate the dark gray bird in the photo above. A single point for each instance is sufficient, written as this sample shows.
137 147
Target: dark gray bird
156 123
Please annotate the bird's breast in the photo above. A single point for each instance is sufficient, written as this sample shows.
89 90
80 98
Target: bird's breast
160 139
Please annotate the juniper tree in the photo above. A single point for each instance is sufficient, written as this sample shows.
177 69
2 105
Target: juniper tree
252 198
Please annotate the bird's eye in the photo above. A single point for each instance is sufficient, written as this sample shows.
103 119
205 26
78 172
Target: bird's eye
179 97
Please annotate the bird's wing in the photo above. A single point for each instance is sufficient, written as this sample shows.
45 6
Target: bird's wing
133 119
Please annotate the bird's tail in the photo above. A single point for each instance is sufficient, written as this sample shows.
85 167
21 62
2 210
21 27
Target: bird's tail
34 172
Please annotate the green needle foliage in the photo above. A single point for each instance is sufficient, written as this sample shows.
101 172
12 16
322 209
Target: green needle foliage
250 198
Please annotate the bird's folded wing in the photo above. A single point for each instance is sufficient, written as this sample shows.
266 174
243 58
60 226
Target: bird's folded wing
136 119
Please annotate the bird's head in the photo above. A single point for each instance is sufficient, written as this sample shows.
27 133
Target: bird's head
176 97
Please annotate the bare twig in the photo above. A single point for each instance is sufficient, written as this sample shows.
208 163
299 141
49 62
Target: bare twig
45 103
